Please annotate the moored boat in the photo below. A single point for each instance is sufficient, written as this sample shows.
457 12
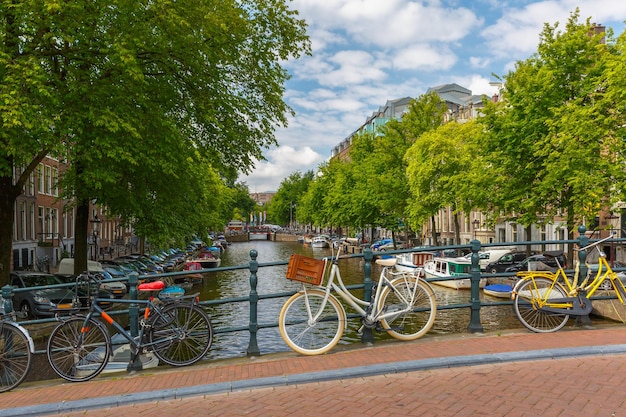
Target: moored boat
451 267
498 290
412 261
320 241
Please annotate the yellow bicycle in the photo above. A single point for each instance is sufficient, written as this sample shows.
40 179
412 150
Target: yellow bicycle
543 301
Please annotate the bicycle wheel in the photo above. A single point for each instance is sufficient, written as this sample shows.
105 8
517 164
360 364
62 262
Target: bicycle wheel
302 334
414 295
15 357
527 301
180 334
78 353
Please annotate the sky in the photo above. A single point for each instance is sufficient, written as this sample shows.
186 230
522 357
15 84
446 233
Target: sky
366 52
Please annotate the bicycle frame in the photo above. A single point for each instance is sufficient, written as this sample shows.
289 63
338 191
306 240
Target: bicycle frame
573 288
339 287
150 308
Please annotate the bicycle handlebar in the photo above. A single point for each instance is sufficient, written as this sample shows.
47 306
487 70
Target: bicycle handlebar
596 243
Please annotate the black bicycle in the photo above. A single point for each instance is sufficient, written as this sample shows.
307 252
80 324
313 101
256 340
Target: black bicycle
177 330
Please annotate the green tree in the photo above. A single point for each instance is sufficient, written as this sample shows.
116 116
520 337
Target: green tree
284 205
548 142
120 88
439 167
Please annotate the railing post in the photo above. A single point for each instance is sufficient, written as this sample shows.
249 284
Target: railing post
583 241
133 308
7 295
367 336
474 325
253 347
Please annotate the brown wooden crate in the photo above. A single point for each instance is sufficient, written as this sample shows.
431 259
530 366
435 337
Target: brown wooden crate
305 269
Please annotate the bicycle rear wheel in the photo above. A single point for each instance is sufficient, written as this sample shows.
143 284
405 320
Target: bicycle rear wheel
408 293
181 333
76 352
15 357
527 302
304 335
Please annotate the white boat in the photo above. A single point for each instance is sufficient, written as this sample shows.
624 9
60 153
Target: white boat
412 261
320 241
450 267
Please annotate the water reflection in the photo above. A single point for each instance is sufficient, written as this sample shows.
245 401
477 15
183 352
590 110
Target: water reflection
236 284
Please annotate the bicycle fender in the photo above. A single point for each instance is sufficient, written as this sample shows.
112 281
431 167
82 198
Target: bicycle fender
31 344
524 279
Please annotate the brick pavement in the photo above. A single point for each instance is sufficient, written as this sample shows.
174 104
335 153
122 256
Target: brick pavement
507 376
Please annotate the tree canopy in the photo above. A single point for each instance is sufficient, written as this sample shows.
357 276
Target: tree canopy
146 100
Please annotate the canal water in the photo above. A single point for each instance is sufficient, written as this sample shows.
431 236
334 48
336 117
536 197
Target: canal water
271 280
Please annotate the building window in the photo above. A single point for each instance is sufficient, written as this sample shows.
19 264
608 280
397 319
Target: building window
55 180
40 179
32 221
48 180
41 221
23 220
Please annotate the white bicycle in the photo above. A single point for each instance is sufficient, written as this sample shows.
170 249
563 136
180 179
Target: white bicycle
313 320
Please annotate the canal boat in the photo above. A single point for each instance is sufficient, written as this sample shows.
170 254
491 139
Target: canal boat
412 262
320 241
208 258
498 290
441 267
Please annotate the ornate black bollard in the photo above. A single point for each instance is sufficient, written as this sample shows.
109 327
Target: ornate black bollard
583 241
474 325
7 294
253 347
133 309
367 336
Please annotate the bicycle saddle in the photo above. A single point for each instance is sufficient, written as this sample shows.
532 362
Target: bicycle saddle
151 286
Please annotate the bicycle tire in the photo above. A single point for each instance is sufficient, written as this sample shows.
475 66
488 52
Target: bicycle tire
15 357
180 333
413 324
526 302
78 353
311 338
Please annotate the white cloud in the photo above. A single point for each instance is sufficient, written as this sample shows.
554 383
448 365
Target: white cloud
424 57
281 162
366 52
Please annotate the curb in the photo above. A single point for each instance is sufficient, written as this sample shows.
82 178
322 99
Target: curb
311 377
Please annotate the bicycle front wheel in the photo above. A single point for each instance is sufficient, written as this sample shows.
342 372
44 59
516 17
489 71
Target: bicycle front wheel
305 335
530 296
180 334
78 351
415 304
15 357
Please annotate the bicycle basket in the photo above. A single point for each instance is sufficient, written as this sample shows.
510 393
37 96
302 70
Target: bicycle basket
305 269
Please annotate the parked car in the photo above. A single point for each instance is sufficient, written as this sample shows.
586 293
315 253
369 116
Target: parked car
538 263
119 289
506 261
40 302
382 243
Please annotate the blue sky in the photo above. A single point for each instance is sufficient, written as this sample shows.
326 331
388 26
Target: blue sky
366 52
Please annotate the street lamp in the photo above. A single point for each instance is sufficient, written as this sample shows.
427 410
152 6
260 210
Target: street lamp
475 223
95 227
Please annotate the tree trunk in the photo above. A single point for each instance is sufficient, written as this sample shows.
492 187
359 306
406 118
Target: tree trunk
8 196
80 245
